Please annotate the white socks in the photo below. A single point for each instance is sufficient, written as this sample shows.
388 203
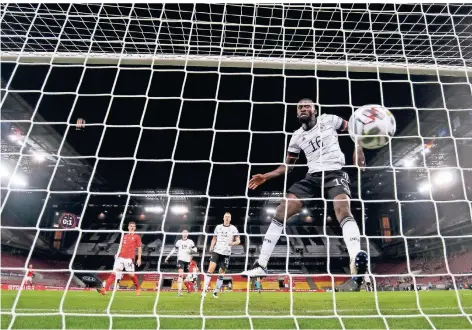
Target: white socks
206 283
219 283
179 283
270 239
351 235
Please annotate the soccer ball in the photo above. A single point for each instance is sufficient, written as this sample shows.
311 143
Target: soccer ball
371 126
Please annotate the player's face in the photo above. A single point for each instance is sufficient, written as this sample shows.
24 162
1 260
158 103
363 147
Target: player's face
305 111
132 227
184 234
227 219
30 266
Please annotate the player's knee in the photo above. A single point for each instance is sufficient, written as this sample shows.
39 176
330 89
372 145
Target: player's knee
287 209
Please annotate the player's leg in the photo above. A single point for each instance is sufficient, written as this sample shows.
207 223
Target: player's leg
211 269
117 268
180 270
351 235
219 281
285 210
337 188
129 267
189 283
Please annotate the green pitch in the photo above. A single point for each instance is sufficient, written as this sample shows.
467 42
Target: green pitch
269 310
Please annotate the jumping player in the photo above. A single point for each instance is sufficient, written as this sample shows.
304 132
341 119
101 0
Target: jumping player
125 259
185 247
226 235
317 138
29 275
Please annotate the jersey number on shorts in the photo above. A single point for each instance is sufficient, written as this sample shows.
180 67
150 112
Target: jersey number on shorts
342 182
130 264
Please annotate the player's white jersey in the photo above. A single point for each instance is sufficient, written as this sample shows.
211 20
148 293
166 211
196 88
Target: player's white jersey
366 278
184 249
224 237
320 144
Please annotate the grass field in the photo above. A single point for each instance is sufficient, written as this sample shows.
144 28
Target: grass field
269 310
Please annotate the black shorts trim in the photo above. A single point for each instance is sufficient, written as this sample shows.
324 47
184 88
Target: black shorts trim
221 260
335 183
183 265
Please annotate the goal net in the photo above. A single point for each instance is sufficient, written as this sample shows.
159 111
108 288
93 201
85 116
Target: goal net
159 114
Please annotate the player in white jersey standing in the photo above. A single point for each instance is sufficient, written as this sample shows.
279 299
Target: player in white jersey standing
226 236
317 138
185 247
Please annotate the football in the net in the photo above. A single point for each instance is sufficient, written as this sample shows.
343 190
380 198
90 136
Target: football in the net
371 126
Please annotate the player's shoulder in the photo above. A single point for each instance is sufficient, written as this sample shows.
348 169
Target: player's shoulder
326 117
298 131
233 227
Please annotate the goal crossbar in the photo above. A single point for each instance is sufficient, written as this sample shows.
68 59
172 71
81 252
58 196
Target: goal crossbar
234 61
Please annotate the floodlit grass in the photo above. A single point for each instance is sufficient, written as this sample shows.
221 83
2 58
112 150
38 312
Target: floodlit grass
269 310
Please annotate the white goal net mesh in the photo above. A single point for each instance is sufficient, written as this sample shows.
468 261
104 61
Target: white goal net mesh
160 114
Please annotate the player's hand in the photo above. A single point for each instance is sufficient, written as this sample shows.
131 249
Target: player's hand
256 181
138 262
165 261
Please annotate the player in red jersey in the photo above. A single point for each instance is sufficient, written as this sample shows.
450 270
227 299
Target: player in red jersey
125 259
29 275
192 276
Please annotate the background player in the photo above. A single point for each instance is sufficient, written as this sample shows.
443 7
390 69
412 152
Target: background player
318 139
258 284
125 259
226 235
191 279
185 247
29 275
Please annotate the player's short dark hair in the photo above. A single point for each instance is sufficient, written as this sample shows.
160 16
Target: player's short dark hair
131 222
306 99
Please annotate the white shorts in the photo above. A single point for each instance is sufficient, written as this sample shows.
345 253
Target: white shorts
124 264
29 279
191 277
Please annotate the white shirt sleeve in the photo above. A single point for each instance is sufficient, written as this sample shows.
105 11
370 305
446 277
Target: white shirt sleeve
235 231
293 145
336 121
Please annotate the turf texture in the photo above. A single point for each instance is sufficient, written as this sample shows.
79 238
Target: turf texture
237 310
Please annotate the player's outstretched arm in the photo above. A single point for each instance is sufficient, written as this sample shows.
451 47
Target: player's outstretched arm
358 157
259 179
212 244
171 253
